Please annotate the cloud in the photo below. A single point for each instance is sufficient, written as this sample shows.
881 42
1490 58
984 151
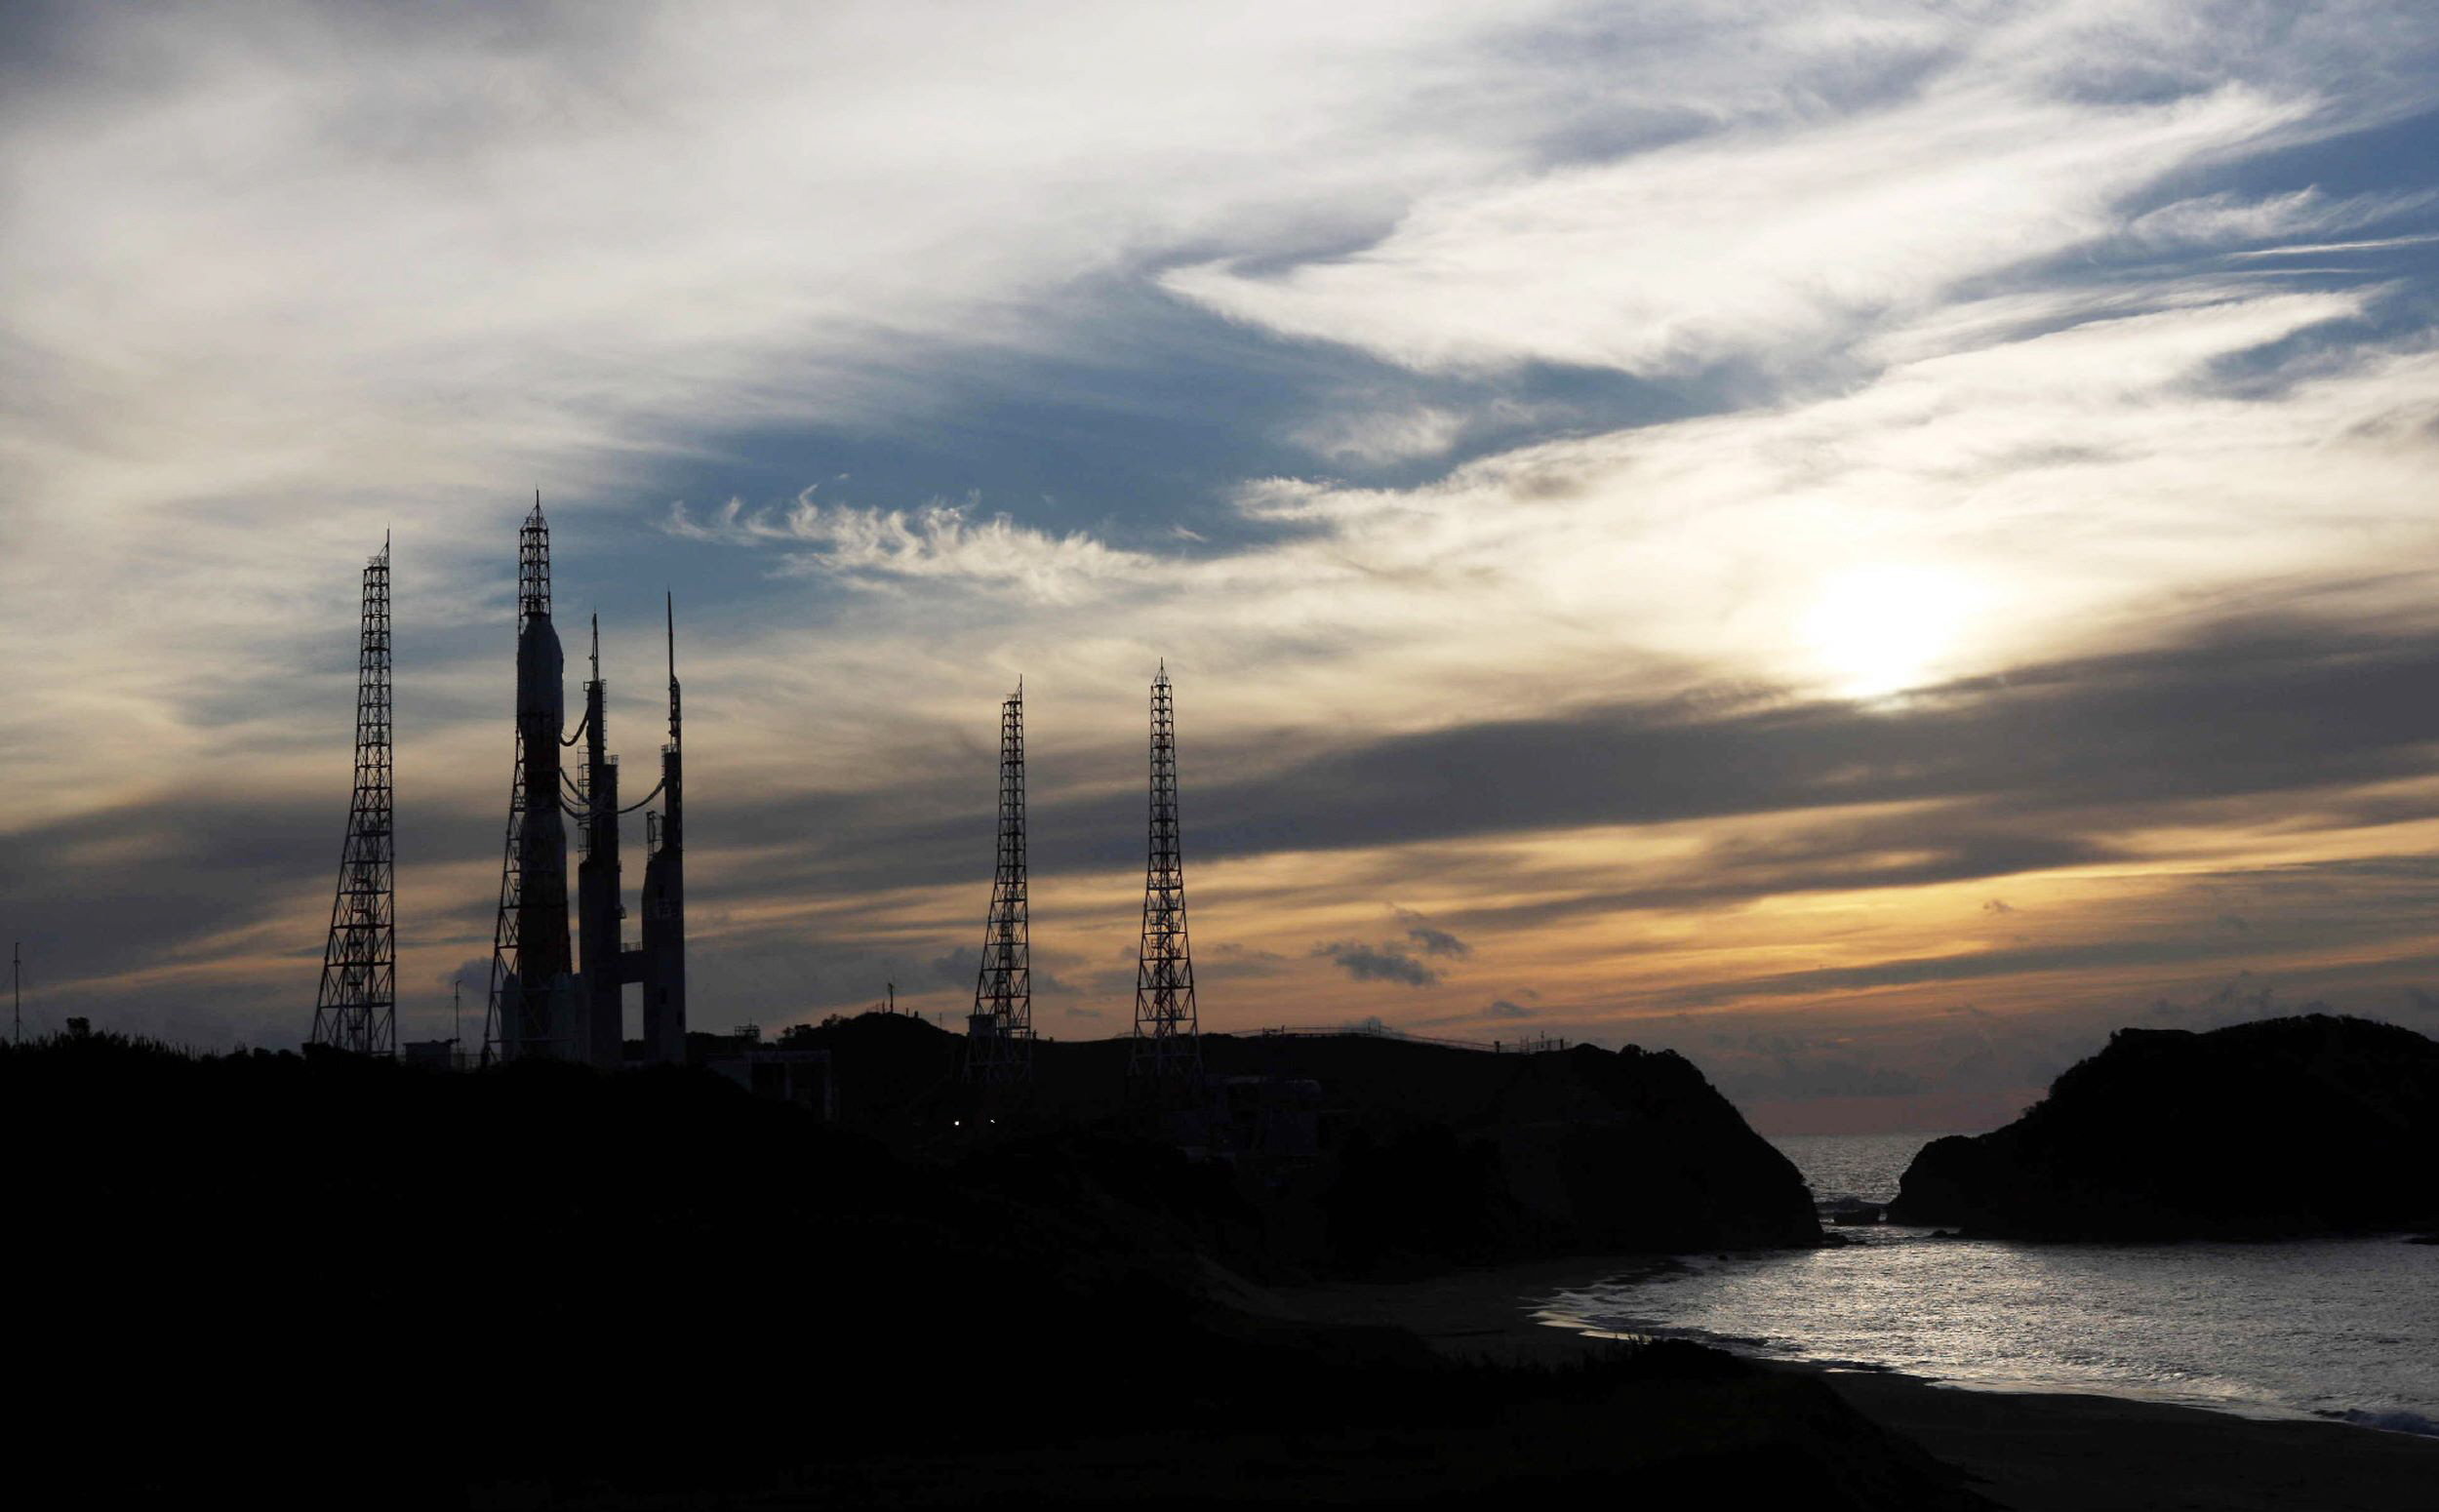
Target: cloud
2050 767
378 207
1429 937
2218 220
2319 249
1779 236
1811 470
1230 961
2245 709
1397 436
938 541
1378 963
1498 1009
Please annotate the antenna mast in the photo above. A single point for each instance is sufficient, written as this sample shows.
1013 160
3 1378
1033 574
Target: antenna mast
1167 1037
999 1032
356 1008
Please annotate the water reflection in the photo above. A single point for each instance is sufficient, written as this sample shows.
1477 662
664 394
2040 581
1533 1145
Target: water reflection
2331 1328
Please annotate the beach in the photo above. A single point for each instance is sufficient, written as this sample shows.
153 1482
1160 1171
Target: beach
2032 1451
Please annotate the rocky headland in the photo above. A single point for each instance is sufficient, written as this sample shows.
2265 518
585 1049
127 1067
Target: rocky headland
1363 1154
2278 1129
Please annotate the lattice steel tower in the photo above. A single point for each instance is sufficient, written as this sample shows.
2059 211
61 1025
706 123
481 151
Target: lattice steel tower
357 1005
533 598
999 1033
1167 1038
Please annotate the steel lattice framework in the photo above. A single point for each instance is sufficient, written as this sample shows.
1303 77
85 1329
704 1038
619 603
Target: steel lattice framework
357 1005
999 1035
1167 1038
533 598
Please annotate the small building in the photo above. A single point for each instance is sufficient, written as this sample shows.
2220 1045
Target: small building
802 1077
431 1055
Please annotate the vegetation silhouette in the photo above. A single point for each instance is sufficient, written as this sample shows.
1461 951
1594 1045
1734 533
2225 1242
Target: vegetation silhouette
341 1280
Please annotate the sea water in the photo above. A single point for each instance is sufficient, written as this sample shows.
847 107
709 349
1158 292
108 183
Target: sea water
2345 1328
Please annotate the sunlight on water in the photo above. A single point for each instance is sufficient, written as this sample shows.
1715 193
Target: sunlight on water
2335 1328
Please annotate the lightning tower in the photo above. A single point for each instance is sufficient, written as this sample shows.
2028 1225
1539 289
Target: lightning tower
356 1009
999 1033
1167 1040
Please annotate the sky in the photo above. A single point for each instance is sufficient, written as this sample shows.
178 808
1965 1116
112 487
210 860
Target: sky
1869 544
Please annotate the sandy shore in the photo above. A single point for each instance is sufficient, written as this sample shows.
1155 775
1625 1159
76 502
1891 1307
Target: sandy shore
2031 1452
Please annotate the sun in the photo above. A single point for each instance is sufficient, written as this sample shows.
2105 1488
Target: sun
1882 628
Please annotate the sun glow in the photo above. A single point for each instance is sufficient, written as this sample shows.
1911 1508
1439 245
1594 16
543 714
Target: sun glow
1879 629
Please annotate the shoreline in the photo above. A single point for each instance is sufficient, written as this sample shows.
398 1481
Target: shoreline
2032 1450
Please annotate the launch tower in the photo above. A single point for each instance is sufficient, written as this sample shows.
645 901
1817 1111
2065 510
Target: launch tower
531 999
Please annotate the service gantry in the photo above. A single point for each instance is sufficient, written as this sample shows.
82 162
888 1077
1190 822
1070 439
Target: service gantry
526 1008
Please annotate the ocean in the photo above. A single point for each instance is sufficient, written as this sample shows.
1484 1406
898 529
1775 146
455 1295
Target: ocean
2344 1329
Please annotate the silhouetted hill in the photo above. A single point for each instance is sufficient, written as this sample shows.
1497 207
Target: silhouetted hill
2285 1127
1422 1154
319 1278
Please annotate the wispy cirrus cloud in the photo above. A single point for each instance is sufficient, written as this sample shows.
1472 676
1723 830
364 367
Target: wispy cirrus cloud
937 541
2220 219
1736 248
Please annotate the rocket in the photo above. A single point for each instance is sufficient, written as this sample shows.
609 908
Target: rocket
567 998
541 999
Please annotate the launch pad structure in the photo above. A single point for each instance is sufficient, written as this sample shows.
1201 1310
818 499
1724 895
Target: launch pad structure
506 951
557 986
554 994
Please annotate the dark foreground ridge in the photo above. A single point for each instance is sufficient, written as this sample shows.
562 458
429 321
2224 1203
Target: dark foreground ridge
2283 1127
345 1282
1360 1155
